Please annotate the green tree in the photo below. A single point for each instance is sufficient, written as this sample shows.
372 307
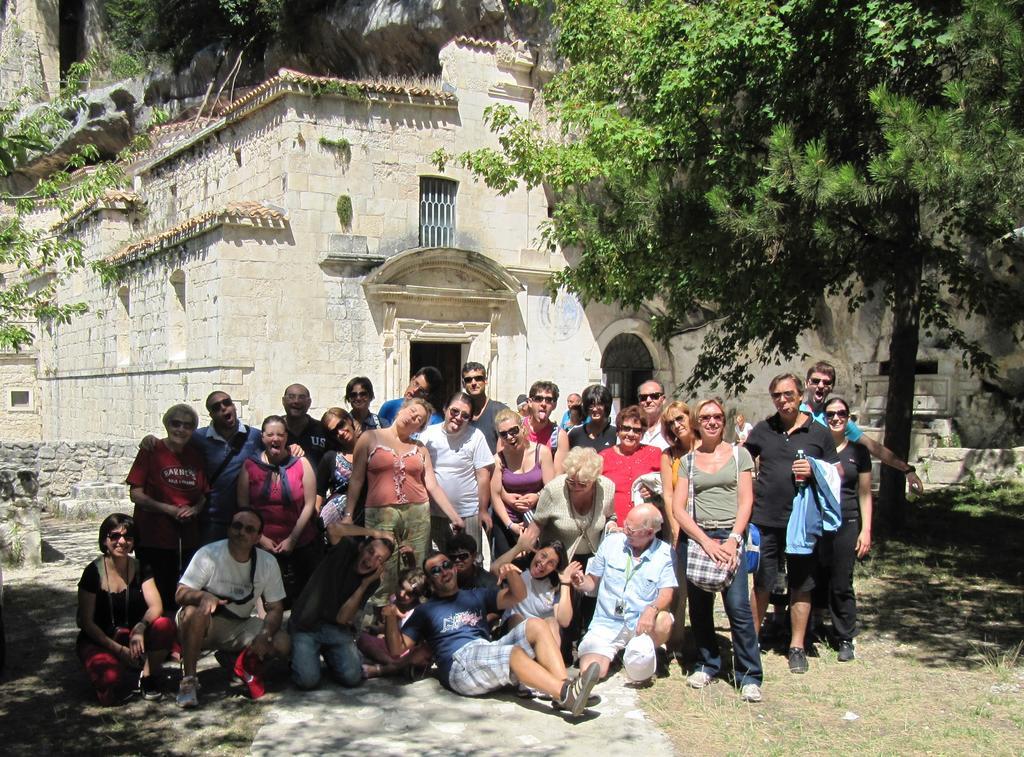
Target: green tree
36 260
785 151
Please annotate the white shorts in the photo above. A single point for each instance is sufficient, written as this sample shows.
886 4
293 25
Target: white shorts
607 639
483 666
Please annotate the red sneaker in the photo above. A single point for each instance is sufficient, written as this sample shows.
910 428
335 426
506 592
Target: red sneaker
247 667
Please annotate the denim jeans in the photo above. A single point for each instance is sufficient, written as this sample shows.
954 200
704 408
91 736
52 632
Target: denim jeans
745 649
338 647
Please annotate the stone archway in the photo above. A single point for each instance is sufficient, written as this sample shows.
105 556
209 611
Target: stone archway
438 296
626 363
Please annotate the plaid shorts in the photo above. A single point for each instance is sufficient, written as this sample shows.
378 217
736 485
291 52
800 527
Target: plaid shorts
484 666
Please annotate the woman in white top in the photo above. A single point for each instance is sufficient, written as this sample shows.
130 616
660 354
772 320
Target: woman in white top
548 577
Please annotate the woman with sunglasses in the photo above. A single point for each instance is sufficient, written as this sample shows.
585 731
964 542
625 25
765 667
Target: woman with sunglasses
596 433
719 477
396 474
521 469
359 395
838 551
626 461
675 428
168 486
282 489
121 617
333 474
462 463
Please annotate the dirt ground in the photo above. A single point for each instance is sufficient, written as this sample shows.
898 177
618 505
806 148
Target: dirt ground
939 668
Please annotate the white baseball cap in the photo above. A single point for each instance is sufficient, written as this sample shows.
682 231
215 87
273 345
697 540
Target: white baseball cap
638 659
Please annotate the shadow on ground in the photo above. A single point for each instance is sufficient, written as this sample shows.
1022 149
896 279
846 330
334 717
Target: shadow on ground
951 584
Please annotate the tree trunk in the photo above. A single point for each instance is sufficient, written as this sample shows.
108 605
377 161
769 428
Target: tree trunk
899 403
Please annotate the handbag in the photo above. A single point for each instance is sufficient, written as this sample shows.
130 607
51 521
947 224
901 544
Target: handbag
701 569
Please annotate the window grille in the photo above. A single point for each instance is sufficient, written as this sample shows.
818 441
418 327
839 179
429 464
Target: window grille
437 212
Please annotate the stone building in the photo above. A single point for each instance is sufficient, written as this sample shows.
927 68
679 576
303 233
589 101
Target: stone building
305 235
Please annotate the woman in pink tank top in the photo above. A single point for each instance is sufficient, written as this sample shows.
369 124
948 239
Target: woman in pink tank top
282 488
395 472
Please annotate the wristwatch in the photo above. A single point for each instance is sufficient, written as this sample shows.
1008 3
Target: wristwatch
738 538
910 469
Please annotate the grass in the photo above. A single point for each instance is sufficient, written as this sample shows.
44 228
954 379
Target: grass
939 668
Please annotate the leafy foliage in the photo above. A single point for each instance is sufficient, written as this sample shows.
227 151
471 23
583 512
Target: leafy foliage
39 259
731 161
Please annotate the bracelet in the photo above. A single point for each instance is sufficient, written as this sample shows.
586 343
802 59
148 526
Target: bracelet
565 583
910 469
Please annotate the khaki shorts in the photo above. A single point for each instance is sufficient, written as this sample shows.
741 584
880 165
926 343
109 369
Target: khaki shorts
229 634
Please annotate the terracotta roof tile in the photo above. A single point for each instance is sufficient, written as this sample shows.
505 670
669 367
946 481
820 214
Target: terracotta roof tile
112 198
235 213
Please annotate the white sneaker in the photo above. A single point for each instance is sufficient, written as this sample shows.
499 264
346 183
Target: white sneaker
698 679
751 692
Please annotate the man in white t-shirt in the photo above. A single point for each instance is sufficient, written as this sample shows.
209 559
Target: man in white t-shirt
217 595
462 464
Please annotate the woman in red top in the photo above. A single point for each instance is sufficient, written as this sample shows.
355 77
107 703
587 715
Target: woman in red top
629 459
283 489
168 487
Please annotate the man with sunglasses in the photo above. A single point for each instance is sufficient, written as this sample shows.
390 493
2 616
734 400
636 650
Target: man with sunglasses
225 444
651 396
462 466
821 380
474 383
217 595
454 623
462 550
539 424
775 444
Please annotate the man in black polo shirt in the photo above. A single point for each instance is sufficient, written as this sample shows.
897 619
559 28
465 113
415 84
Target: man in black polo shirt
474 381
775 444
303 430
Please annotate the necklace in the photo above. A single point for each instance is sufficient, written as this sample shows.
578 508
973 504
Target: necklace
110 599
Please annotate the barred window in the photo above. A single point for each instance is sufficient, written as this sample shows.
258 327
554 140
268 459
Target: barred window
437 212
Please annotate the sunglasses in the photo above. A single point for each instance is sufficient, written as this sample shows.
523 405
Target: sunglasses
120 536
631 430
237 525
460 556
439 569
224 404
547 399
358 395
650 396
815 381
477 379
679 420
841 414
510 433
716 417
181 424
783 395
453 413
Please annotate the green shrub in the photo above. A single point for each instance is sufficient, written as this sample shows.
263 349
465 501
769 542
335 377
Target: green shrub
345 211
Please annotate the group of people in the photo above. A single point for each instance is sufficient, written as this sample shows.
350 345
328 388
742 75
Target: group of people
496 543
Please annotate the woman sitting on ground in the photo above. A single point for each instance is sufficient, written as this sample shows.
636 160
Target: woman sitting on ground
723 491
120 614
522 468
548 576
282 489
412 585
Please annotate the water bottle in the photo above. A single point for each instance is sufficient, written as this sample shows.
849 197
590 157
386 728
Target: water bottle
801 481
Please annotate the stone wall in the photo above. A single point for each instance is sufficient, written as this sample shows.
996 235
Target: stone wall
60 465
945 466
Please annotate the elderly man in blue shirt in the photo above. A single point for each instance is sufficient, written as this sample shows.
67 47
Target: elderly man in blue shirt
633 576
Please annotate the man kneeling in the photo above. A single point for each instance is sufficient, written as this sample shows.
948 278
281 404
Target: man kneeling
323 618
217 595
633 576
454 623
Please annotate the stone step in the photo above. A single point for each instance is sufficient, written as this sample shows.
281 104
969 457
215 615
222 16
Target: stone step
88 509
99 490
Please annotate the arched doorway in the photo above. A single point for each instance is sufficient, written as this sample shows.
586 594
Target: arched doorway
626 364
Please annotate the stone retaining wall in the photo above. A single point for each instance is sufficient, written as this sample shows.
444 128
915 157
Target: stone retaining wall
946 466
60 465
